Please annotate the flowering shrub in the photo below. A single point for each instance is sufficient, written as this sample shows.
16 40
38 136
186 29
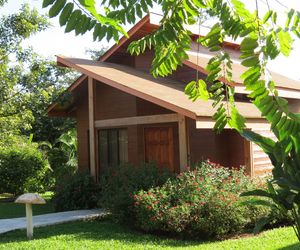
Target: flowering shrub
201 203
118 184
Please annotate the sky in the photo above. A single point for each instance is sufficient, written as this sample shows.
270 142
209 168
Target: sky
54 41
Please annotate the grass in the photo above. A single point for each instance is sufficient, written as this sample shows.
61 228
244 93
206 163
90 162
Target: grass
13 210
104 234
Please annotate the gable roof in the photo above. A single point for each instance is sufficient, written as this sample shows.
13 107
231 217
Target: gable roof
288 87
200 60
151 22
161 91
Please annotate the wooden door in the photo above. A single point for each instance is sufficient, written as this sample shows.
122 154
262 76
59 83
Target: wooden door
159 146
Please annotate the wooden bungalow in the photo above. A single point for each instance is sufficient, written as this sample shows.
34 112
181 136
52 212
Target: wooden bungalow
125 115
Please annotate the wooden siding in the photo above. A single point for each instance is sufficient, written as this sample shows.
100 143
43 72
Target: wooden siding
261 162
113 103
226 148
144 108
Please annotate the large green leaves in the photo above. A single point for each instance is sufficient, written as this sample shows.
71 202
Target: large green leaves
197 90
83 21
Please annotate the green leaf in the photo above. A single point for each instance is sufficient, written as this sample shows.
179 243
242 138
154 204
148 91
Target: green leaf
274 17
237 121
258 202
72 20
251 62
276 119
65 14
267 16
199 3
265 143
189 7
285 42
89 5
257 192
289 18
203 93
139 11
57 7
248 44
46 3
260 224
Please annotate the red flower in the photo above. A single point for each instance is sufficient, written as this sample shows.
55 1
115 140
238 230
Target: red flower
152 218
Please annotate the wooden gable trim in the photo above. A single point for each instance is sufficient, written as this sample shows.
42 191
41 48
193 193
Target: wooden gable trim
130 33
136 120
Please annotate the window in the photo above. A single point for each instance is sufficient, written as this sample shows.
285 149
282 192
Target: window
113 147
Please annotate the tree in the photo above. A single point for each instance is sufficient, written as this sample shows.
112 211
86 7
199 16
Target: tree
13 30
45 82
95 54
28 82
263 39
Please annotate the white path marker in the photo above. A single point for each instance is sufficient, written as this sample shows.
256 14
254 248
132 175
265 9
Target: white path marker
29 199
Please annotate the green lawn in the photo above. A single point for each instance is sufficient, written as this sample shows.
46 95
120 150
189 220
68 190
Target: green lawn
14 210
107 235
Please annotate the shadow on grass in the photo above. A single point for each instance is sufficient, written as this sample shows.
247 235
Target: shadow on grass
295 246
96 230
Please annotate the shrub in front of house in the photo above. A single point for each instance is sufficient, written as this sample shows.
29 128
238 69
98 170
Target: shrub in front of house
22 169
200 203
118 184
76 191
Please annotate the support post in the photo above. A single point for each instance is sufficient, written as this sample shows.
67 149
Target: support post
183 157
248 153
29 221
92 127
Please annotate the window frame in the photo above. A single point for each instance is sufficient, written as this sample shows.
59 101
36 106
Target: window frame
109 163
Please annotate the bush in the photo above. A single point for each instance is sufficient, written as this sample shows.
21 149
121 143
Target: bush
58 161
202 203
22 169
77 191
118 184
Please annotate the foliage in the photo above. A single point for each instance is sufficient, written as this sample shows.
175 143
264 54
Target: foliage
62 156
284 188
77 191
68 144
22 169
200 203
13 30
96 54
119 183
52 81
28 83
